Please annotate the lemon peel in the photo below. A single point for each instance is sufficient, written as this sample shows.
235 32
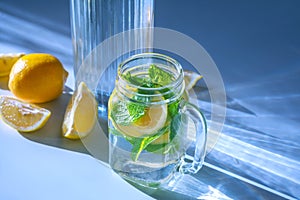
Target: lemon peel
37 78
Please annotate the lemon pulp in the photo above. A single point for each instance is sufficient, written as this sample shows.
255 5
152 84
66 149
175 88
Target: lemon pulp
81 113
22 116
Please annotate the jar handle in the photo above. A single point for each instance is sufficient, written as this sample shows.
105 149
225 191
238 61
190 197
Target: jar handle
201 137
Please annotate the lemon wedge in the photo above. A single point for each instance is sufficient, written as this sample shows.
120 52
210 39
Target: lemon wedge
190 79
81 113
22 116
7 61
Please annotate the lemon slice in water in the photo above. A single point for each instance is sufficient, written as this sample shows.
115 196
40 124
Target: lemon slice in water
154 119
22 116
81 113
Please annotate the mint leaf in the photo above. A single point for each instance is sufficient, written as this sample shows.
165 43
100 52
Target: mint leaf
177 127
140 144
138 81
173 108
120 113
165 148
159 76
158 148
135 110
142 99
125 113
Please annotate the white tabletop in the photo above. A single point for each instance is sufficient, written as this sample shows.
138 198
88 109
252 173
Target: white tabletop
255 45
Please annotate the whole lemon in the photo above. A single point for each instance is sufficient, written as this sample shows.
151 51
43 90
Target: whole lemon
37 78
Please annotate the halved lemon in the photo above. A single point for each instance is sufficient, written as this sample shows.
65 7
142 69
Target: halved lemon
7 61
81 113
22 116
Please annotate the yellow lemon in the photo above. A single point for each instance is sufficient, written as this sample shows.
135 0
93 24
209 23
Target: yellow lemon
7 61
190 79
81 113
22 116
37 78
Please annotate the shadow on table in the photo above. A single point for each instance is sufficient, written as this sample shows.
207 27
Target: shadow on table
94 144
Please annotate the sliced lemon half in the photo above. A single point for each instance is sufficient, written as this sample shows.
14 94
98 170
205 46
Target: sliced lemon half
22 116
7 61
81 113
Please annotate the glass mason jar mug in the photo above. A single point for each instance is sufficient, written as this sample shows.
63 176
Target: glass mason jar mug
149 121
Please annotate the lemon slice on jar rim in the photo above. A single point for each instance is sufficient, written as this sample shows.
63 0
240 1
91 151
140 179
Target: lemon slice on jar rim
190 79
